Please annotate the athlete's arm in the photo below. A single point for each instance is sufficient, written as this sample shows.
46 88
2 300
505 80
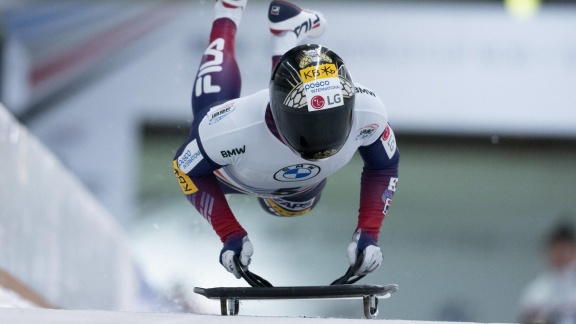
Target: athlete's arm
377 185
194 171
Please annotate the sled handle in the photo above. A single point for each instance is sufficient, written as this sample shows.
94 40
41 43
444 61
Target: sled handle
347 278
255 280
251 278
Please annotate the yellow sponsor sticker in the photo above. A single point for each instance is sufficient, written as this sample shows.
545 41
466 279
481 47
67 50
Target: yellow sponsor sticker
321 71
277 208
186 184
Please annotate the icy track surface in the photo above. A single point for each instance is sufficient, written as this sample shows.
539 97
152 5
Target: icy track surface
15 310
50 316
45 316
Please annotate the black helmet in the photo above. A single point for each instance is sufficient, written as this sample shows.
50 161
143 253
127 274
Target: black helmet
312 100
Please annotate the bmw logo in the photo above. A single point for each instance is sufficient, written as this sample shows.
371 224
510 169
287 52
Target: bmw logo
297 172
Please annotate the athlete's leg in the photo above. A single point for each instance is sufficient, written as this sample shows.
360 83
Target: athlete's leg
293 205
290 25
218 77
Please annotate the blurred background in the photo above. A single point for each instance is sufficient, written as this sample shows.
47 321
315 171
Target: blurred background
480 94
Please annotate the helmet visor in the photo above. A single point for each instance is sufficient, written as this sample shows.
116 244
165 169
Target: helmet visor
314 136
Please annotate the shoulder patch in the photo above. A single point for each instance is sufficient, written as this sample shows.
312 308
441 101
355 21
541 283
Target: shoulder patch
366 131
220 112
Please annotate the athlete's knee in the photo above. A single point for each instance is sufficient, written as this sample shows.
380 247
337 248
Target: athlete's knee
285 208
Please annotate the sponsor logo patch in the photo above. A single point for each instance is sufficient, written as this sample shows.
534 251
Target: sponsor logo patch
393 184
387 204
307 25
386 134
204 81
216 115
188 187
389 141
329 89
322 86
317 72
190 157
275 10
366 131
288 208
317 102
297 172
236 151
321 82
365 91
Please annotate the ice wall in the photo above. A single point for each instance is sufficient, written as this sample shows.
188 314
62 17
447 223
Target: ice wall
55 238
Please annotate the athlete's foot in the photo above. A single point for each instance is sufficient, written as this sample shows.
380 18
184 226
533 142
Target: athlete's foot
231 9
286 17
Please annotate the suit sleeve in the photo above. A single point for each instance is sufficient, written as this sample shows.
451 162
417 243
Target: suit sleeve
378 182
194 171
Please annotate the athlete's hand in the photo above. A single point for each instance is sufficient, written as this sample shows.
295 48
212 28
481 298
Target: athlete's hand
238 245
364 243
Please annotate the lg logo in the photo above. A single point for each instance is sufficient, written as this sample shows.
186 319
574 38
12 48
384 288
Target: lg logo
317 102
